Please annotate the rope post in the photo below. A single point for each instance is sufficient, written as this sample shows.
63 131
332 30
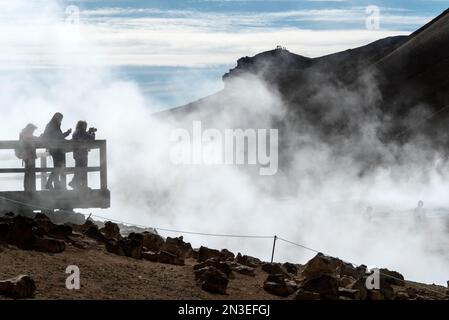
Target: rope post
274 246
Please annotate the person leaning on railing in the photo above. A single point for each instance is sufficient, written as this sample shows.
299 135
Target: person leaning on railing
53 132
80 155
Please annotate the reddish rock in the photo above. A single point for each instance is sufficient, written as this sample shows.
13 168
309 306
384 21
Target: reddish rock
20 287
212 280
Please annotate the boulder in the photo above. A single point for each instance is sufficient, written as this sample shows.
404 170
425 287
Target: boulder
150 256
325 285
5 228
94 233
360 285
245 270
306 295
402 295
275 268
20 287
111 231
352 294
152 242
346 281
132 245
62 232
212 280
279 286
392 277
227 255
114 247
205 253
290 268
248 260
170 258
178 247
44 221
324 265
50 245
216 263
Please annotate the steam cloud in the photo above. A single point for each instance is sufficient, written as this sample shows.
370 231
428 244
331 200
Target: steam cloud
319 200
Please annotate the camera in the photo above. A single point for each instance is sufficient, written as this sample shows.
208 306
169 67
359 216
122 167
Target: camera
92 130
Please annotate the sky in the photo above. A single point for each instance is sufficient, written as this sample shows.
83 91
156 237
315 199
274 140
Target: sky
166 46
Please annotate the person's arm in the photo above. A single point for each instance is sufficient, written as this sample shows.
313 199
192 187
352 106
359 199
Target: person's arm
67 133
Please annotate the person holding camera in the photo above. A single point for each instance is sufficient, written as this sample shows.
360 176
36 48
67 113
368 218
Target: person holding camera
80 155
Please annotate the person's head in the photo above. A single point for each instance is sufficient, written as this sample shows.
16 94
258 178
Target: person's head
57 117
420 203
29 129
81 126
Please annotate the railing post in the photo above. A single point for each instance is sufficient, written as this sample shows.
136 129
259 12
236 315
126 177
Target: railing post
274 246
44 175
103 167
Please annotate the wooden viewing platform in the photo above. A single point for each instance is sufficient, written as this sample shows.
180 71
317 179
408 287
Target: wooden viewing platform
46 200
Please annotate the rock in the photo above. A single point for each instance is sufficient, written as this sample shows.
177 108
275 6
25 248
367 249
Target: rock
320 265
152 242
132 245
178 247
4 231
50 245
375 295
352 294
325 285
248 260
227 255
205 253
214 262
245 270
111 231
279 286
290 268
346 281
150 256
212 280
44 221
306 295
20 287
360 285
275 268
402 295
195 253
169 258
324 265
392 277
278 289
94 233
61 232
115 248
23 232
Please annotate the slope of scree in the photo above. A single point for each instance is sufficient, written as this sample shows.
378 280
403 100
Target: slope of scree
36 252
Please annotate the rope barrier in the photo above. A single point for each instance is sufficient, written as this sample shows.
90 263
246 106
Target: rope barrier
223 235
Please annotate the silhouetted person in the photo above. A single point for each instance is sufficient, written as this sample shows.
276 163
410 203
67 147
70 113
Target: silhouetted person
27 153
53 132
80 155
419 214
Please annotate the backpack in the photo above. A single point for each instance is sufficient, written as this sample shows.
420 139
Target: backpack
20 150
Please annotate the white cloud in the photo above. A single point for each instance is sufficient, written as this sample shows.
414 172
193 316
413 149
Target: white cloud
124 36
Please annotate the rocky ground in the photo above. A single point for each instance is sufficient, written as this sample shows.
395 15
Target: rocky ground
34 255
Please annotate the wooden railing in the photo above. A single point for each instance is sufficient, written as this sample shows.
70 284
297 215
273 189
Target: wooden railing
67 146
